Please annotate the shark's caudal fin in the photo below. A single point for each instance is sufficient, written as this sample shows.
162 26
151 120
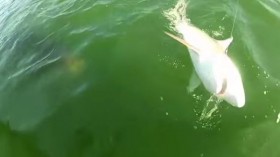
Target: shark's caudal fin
179 22
177 14
182 41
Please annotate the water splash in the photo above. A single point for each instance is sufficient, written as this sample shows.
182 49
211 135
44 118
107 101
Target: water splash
210 108
177 14
209 116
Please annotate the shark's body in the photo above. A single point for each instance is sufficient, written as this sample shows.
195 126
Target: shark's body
215 69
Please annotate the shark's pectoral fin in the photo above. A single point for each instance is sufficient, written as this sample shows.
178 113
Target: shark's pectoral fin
225 43
194 82
182 41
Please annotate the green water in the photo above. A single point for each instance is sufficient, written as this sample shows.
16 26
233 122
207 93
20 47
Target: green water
100 78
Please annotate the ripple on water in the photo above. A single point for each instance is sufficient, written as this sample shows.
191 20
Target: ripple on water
208 115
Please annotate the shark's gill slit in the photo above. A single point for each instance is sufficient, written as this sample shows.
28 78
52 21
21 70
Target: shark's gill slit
224 87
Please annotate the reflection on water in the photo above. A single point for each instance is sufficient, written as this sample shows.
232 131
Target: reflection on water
272 6
100 78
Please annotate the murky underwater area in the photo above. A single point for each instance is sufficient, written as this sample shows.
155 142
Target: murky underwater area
100 78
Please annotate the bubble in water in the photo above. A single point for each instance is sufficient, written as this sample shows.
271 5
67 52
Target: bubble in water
278 118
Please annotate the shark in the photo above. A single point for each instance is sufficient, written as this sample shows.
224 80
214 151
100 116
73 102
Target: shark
212 65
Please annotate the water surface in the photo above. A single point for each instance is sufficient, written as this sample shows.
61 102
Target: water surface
100 78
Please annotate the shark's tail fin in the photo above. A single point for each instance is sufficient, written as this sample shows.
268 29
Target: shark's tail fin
177 14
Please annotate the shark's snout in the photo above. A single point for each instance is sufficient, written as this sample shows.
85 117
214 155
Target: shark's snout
234 93
236 100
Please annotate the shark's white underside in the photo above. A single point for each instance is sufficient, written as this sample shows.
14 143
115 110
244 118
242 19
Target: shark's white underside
215 69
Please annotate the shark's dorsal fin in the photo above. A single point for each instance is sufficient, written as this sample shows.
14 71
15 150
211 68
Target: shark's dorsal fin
182 41
225 43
